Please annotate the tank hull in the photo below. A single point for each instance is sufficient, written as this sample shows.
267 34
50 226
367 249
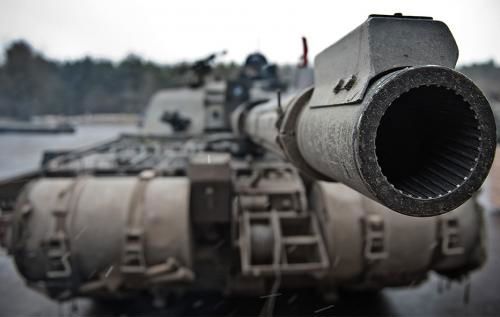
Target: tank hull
115 237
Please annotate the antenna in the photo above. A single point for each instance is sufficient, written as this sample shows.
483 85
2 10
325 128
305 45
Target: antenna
304 60
280 108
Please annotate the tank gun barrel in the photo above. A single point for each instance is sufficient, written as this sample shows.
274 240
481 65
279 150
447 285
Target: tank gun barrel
388 116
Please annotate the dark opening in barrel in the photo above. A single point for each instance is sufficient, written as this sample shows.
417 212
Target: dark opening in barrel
428 142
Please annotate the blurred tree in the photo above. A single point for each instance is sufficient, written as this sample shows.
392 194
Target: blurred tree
18 83
30 84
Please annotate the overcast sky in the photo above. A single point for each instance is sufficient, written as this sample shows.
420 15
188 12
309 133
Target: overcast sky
168 31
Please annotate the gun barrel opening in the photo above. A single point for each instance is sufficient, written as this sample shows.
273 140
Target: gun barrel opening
420 142
428 142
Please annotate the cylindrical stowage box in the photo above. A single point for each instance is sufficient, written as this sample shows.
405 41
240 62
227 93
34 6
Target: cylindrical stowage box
94 235
371 247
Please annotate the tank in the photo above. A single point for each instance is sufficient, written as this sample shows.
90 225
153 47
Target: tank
366 179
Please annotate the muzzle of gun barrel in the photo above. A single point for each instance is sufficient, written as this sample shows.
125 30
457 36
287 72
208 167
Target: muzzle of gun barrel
421 141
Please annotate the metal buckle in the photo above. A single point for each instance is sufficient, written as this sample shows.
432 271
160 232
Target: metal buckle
375 244
133 261
450 233
58 257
